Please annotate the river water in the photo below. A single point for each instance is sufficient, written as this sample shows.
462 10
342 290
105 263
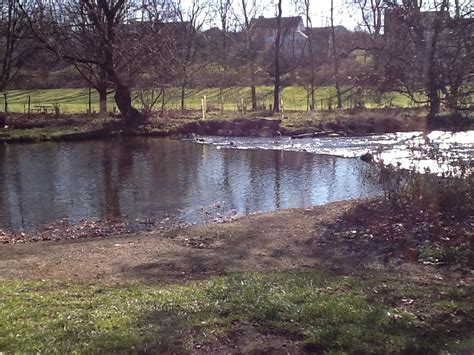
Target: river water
437 152
146 178
187 182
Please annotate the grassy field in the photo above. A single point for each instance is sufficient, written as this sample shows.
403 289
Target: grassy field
294 98
319 311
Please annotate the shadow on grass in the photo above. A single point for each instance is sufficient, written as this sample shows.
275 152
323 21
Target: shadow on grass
309 312
238 313
172 327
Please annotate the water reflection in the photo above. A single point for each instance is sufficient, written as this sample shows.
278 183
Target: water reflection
153 178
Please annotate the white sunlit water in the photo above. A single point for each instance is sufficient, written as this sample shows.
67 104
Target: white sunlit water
439 152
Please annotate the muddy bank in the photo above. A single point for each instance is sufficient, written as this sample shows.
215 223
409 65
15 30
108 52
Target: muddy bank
54 135
346 237
247 127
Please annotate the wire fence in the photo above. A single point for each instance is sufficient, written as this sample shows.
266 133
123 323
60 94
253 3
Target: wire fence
225 100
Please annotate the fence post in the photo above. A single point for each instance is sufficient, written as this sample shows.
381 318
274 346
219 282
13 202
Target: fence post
90 100
281 107
5 102
163 102
203 107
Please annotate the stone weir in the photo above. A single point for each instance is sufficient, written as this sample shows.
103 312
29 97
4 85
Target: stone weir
257 127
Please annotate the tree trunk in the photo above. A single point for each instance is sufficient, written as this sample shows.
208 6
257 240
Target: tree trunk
253 90
163 101
276 89
103 101
335 58
130 115
310 98
433 84
102 92
183 94
276 94
452 98
123 99
338 94
433 97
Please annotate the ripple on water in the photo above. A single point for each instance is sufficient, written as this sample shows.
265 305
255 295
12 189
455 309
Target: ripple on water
437 152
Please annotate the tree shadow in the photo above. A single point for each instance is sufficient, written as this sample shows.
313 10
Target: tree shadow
248 249
173 328
377 232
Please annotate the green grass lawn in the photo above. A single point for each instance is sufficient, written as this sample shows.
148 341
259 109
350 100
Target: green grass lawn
328 313
294 98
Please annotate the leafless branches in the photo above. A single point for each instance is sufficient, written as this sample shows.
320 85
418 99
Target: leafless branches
13 33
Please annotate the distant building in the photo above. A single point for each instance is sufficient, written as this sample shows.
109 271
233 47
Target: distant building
293 38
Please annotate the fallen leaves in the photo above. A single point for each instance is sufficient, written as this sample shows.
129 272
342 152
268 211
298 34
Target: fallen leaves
86 228
65 229
407 233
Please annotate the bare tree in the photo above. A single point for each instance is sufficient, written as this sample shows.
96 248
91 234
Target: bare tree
429 52
96 77
248 54
456 56
311 61
372 15
191 19
282 48
277 73
223 8
13 31
335 56
102 34
222 44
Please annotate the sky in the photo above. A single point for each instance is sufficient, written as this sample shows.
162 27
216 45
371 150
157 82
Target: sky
345 13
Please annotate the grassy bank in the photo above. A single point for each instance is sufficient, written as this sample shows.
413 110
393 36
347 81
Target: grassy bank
70 124
347 277
22 128
245 312
294 98
372 276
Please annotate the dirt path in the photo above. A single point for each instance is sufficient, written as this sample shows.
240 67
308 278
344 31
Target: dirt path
286 239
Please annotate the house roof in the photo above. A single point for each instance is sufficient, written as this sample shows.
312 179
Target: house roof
216 34
271 22
315 32
213 31
175 26
324 31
